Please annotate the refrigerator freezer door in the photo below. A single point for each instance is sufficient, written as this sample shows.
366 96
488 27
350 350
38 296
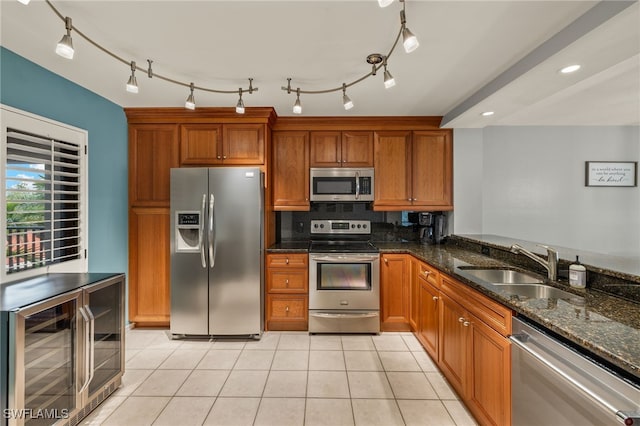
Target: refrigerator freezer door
189 278
235 293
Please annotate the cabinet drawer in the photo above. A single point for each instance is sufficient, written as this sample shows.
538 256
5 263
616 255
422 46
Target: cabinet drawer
287 312
289 260
287 281
429 274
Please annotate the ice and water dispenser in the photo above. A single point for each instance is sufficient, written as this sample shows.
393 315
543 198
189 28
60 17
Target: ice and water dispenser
187 230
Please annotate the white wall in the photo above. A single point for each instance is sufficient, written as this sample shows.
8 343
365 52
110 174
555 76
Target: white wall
533 186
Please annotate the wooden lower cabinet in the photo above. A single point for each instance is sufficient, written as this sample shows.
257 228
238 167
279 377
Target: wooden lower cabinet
394 285
287 279
465 333
149 267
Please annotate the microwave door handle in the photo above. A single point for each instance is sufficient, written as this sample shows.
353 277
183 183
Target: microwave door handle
357 185
203 255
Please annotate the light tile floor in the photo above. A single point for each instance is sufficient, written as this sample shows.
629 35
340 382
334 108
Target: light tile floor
286 378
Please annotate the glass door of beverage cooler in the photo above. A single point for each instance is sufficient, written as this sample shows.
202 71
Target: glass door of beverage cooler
45 353
105 302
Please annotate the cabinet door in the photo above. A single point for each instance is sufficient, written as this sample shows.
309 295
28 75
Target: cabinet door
200 144
357 149
243 144
454 343
392 156
153 151
290 170
325 149
429 323
394 282
489 388
149 291
432 170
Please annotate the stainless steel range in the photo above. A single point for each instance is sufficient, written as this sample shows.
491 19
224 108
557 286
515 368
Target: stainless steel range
344 278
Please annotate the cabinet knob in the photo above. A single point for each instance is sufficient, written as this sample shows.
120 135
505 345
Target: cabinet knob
386 260
286 261
435 298
426 273
461 319
286 309
218 157
224 157
286 281
466 323
408 199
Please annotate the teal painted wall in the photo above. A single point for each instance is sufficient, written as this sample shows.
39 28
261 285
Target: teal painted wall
29 87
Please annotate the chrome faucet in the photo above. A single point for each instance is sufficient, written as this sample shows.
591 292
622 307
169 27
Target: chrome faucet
551 264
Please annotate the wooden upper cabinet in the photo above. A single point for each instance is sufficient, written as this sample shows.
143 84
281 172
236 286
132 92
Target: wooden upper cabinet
325 149
341 149
153 151
432 169
392 153
217 144
290 171
200 144
424 181
357 149
243 143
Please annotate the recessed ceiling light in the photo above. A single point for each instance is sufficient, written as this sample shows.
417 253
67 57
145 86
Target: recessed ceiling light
570 69
487 113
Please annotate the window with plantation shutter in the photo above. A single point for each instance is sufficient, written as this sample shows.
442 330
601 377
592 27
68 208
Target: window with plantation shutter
45 199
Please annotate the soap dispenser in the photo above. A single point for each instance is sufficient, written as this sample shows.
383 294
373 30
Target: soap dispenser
577 274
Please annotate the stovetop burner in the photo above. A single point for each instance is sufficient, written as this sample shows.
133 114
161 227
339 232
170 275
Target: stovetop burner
341 236
342 246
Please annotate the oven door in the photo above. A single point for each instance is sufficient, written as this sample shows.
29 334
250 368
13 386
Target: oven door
344 281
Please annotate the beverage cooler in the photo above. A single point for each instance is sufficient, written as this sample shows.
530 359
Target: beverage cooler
62 356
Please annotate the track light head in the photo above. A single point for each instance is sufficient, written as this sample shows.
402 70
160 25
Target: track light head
346 100
384 3
240 104
132 83
191 100
409 40
65 45
24 1
297 106
389 81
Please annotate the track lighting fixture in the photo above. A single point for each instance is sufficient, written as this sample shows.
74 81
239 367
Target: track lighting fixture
389 81
409 40
191 101
132 84
24 1
384 3
297 106
65 45
346 101
240 104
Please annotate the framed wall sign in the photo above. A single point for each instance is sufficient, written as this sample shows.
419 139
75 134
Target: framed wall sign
611 173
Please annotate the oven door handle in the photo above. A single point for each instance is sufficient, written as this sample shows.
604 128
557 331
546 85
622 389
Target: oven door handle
349 315
344 259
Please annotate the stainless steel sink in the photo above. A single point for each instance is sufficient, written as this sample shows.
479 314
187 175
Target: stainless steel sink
503 276
537 291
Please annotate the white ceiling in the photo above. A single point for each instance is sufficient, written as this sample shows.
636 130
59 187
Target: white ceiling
473 56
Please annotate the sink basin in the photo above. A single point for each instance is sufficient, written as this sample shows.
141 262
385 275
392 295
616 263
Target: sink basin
537 291
502 276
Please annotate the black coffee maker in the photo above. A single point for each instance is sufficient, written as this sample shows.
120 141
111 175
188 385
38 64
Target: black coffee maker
432 227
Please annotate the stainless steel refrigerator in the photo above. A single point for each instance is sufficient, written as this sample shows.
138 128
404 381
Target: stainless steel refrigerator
217 246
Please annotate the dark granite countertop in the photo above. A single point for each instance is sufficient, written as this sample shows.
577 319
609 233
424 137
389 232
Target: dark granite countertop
604 325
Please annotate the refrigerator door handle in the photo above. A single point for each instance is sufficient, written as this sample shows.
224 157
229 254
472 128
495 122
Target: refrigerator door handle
86 348
92 343
203 255
212 232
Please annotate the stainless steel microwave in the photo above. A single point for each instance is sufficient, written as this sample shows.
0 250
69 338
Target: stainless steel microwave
341 184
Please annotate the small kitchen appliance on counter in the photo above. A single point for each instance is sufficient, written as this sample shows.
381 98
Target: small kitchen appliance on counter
344 278
432 227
